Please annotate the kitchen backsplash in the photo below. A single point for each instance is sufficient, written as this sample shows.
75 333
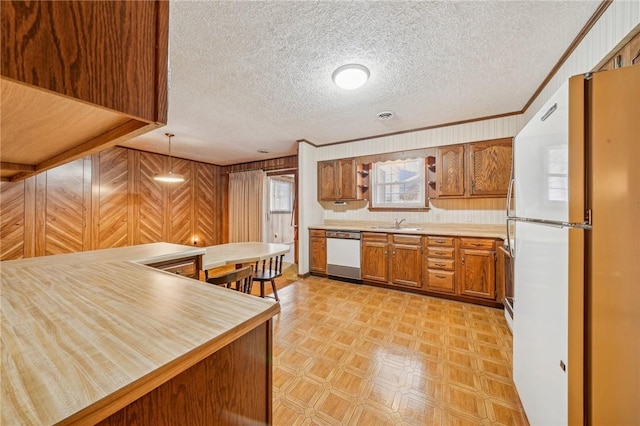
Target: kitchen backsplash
482 210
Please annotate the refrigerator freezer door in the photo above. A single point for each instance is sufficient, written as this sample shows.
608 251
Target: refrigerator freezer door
541 162
540 322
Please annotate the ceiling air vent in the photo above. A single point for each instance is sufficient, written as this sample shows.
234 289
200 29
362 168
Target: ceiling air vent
384 115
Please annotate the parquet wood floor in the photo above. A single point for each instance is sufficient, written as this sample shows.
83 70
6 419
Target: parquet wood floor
348 354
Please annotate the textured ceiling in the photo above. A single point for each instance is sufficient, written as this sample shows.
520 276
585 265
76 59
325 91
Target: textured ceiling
257 75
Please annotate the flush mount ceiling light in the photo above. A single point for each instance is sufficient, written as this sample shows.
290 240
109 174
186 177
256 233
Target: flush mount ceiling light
169 177
350 76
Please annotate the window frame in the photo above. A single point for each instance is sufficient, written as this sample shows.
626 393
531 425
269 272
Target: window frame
421 204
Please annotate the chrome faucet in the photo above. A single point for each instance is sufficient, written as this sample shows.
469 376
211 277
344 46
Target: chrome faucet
399 223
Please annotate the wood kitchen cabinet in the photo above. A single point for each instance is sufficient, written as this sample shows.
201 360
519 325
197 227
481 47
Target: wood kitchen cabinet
71 87
489 168
439 256
478 169
477 268
189 267
374 261
450 171
337 180
406 261
317 251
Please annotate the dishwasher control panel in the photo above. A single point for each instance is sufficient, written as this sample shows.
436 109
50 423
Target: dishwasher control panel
345 235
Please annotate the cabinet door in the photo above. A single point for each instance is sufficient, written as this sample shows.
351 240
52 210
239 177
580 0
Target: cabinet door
477 277
318 254
374 261
327 175
347 179
490 167
405 265
450 169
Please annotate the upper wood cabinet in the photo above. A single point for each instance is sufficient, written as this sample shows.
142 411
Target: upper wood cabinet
450 169
479 169
489 167
78 77
337 180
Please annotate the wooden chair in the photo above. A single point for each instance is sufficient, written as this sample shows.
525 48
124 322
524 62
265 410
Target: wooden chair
269 271
242 277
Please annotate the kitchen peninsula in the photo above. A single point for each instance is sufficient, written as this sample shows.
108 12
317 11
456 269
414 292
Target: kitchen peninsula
99 337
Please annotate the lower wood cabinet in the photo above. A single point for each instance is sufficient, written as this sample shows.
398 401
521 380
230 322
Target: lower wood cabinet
406 260
477 268
454 267
317 251
187 267
374 263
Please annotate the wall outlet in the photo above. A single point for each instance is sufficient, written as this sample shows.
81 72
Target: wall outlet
438 217
468 218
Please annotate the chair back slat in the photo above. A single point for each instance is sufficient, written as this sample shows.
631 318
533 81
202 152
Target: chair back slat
242 277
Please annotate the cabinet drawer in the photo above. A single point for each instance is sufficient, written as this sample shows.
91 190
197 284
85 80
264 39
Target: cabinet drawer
447 264
440 252
184 267
407 239
374 236
440 241
316 233
475 243
441 281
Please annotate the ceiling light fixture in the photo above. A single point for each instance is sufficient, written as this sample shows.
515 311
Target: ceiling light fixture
350 76
169 177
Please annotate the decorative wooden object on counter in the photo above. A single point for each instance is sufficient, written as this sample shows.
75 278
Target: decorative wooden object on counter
337 180
317 251
77 87
96 336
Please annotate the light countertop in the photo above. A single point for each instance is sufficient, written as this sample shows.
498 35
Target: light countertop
451 229
232 253
81 332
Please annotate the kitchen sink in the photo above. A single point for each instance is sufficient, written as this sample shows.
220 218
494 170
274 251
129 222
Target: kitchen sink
393 228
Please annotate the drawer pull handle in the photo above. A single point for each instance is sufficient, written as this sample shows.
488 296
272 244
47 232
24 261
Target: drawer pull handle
477 244
442 265
442 277
440 242
178 272
441 253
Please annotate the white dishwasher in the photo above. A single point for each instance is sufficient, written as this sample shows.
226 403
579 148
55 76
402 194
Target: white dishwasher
343 254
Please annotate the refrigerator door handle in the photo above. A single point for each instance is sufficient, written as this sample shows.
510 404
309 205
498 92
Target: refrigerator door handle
509 193
510 247
555 223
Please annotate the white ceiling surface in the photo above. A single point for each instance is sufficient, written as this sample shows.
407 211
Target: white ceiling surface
257 75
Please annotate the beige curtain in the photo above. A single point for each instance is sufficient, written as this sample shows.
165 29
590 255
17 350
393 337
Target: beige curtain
246 199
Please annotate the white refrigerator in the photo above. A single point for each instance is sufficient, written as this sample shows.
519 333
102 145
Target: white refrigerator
576 253
540 218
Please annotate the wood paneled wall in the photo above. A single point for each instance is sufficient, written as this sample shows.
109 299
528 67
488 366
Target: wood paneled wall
110 199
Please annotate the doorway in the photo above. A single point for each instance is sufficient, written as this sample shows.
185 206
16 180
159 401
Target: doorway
281 213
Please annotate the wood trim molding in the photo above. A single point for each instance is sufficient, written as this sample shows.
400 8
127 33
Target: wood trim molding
583 32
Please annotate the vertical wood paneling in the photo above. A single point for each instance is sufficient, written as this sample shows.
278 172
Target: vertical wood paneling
113 198
206 200
181 204
30 217
12 216
40 215
153 199
110 199
65 209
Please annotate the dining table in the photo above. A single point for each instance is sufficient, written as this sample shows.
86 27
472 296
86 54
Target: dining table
240 253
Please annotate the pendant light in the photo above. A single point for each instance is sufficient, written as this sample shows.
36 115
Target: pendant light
169 177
